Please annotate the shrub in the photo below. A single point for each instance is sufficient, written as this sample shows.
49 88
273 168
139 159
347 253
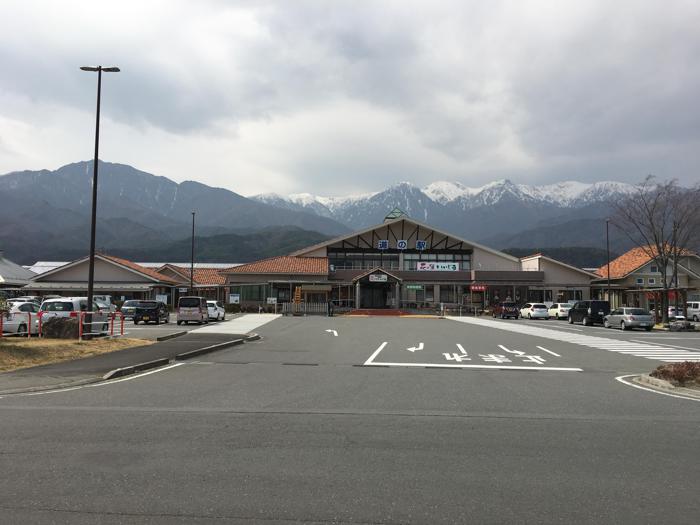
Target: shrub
679 373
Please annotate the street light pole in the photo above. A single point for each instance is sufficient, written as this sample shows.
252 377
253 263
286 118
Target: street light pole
607 249
91 269
192 259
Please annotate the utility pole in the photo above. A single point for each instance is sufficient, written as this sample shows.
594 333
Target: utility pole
192 259
607 244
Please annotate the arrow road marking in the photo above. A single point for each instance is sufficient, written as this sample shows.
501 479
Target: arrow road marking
335 334
414 348
461 349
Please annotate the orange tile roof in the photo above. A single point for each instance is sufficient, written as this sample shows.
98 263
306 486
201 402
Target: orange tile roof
137 267
629 262
286 264
208 276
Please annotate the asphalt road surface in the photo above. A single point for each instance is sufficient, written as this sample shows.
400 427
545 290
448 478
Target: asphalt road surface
368 420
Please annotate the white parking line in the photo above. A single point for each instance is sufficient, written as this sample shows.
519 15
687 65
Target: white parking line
548 351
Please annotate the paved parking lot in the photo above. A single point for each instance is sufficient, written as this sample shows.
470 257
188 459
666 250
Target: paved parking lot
365 420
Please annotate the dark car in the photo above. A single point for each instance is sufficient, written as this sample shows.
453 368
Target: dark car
151 312
589 312
504 310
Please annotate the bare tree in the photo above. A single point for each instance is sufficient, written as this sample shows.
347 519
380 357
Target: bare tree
663 220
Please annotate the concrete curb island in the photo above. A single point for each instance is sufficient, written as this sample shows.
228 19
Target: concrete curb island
665 386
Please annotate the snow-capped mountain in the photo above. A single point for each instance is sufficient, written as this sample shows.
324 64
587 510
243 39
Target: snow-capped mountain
478 213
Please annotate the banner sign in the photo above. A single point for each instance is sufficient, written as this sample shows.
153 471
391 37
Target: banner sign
478 287
378 278
272 300
414 287
383 244
234 298
437 267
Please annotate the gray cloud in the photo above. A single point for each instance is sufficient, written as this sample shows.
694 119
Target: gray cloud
336 97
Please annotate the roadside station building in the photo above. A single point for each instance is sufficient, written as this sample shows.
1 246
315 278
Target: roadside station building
403 263
636 280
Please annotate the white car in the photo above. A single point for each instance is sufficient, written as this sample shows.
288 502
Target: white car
560 310
693 308
18 318
71 307
675 314
216 310
534 311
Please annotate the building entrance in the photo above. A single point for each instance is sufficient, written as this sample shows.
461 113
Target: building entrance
375 295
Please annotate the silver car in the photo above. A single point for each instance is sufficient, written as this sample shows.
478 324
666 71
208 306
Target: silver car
625 318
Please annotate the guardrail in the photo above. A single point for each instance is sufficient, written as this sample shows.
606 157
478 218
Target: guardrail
114 322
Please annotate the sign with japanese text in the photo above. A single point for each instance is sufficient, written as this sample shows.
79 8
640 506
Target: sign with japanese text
378 278
383 244
234 298
414 287
402 244
421 245
423 266
478 287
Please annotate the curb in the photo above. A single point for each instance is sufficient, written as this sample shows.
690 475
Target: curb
171 336
655 382
127 370
46 388
208 349
666 386
253 337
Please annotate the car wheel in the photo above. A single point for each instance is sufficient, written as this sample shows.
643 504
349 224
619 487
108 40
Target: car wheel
571 320
529 316
623 326
695 318
179 323
648 328
157 321
135 321
223 317
585 321
606 324
22 330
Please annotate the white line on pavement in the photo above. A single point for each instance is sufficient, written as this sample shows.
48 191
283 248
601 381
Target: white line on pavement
622 379
498 367
548 351
376 353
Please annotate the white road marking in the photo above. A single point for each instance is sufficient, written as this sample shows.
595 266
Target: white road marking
548 351
498 367
622 379
414 348
461 349
239 325
666 344
335 333
376 353
657 352
93 385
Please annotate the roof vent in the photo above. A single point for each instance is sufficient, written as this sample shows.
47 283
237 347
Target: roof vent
394 214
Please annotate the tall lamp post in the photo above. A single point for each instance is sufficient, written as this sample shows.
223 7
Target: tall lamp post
91 270
192 259
607 250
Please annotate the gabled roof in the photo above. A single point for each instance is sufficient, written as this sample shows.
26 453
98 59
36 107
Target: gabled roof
376 270
149 274
409 220
630 261
560 263
209 276
13 274
285 264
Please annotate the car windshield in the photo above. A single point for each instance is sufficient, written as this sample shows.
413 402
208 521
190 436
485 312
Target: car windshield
57 306
131 303
189 302
147 304
636 311
211 303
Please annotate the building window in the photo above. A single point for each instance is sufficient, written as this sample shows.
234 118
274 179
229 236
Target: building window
447 294
640 280
652 280
654 269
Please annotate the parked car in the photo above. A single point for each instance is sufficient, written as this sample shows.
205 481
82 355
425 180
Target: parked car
216 311
625 318
17 319
71 307
675 314
129 307
506 309
534 311
693 309
25 298
192 309
560 310
588 312
151 312
105 307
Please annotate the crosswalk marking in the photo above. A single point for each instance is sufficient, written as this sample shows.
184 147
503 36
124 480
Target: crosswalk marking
646 350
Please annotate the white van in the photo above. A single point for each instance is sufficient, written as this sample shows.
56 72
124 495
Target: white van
192 309
71 307
693 308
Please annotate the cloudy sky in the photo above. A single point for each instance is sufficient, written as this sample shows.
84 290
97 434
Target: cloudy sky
336 97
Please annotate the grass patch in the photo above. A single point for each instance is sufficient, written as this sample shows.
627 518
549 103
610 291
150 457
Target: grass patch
22 353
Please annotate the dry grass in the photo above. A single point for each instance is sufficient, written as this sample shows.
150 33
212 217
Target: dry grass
22 353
